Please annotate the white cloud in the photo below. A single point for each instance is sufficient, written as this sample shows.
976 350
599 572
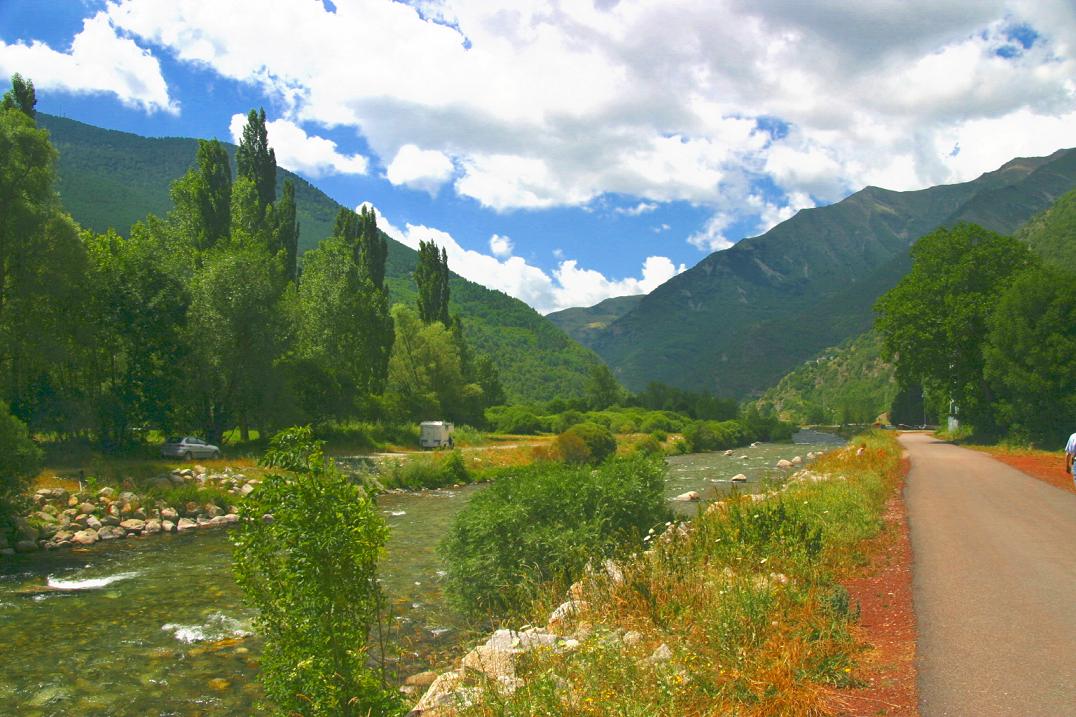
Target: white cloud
540 105
711 237
300 152
99 61
640 208
568 285
501 246
425 169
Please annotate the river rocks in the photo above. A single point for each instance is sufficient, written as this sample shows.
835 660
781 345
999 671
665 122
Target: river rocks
185 524
63 537
797 461
631 638
191 509
87 508
691 495
91 521
784 464
421 679
169 514
167 526
44 516
106 492
73 501
565 611
24 530
85 537
728 452
111 532
58 495
110 520
444 696
213 510
738 478
248 488
133 525
661 654
151 527
219 683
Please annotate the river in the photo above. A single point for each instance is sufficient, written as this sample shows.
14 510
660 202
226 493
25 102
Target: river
157 626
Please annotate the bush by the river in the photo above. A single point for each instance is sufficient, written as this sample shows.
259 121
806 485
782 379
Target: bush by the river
422 472
585 443
310 572
20 460
544 524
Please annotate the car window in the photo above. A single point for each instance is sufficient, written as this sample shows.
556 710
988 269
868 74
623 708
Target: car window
174 439
197 442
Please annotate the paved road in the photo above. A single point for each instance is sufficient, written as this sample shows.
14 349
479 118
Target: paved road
994 583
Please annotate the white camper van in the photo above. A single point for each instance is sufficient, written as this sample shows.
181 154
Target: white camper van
435 434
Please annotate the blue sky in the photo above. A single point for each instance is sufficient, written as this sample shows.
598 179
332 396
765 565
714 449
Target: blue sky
567 152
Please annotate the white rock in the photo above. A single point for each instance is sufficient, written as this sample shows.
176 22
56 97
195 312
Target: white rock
689 496
662 654
784 464
797 461
739 478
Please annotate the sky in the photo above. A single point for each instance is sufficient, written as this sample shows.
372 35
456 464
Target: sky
567 152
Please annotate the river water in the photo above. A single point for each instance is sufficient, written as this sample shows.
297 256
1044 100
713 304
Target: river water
157 626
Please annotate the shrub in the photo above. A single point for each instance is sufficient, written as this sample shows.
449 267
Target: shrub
599 441
571 449
423 473
311 574
562 422
517 420
647 446
716 435
658 422
20 460
544 524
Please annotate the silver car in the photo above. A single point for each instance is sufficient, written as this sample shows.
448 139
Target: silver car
188 448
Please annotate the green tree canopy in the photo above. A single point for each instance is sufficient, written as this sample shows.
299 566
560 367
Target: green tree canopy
1030 356
20 97
935 320
431 276
256 160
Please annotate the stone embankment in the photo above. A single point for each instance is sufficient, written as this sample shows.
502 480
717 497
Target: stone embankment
493 664
61 518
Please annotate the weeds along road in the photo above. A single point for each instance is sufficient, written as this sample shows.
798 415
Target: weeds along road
994 584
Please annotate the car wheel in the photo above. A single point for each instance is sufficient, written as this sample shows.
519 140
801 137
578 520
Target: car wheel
187 456
216 455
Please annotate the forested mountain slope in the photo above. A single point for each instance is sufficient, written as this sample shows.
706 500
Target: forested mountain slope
743 317
113 179
1052 234
584 324
849 383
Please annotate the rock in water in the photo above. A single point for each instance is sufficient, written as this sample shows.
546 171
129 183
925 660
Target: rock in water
784 464
689 496
739 478
85 537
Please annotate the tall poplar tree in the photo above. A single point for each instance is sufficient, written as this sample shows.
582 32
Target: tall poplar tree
286 230
256 160
431 276
203 196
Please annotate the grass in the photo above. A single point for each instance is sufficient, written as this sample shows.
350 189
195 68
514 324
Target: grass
747 600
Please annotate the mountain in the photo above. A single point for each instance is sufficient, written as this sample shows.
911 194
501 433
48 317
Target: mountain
585 323
1052 234
849 383
113 179
743 317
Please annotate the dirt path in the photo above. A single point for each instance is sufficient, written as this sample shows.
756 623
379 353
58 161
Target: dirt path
994 583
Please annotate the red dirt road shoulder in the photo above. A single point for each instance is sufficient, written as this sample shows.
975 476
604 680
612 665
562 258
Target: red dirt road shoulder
887 624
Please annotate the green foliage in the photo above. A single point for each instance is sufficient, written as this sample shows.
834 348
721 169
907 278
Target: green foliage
256 160
701 406
1030 356
422 473
202 197
934 321
431 278
20 97
716 435
603 390
850 383
20 460
311 574
544 524
599 441
426 378
113 179
1052 234
514 420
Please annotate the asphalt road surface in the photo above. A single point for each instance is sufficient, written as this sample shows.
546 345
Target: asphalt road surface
994 585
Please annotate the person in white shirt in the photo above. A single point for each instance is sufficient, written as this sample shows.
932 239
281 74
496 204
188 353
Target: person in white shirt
1070 457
